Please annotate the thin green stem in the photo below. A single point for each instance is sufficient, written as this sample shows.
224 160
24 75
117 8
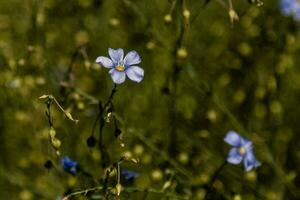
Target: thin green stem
128 190
176 69
102 111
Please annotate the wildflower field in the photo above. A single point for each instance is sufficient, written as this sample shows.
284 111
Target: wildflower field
149 99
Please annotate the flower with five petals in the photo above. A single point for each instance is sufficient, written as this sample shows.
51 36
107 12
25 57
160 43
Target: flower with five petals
121 66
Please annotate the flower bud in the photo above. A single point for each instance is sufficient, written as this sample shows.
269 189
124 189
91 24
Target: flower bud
52 132
134 160
183 158
168 18
108 117
251 176
138 149
112 173
119 189
233 16
127 155
87 64
182 53
30 48
237 197
157 175
70 117
43 96
80 105
56 143
150 45
21 62
186 14
25 194
114 22
212 115
166 185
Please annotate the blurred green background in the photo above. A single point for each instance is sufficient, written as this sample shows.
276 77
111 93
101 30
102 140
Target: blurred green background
241 76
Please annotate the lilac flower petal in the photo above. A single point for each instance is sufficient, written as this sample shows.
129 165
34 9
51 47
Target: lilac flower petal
297 12
132 58
257 164
135 73
234 156
233 139
118 77
116 55
246 144
73 170
129 174
287 6
69 165
105 62
250 161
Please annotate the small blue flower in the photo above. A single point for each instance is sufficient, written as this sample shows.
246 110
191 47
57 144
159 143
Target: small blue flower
129 175
242 150
120 67
69 165
290 8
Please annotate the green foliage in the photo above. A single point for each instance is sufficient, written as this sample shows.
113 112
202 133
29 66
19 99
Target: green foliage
241 76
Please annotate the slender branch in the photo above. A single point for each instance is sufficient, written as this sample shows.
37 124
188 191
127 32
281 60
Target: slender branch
174 78
127 190
223 4
111 96
68 74
118 173
230 4
82 192
52 98
173 4
102 111
48 112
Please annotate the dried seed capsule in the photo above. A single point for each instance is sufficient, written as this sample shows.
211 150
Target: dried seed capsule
91 141
48 164
117 132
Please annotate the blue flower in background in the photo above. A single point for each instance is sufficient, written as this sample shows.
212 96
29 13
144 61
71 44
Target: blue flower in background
129 175
290 8
242 150
69 165
121 66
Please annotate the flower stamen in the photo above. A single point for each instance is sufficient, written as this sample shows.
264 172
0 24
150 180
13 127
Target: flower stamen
242 150
120 68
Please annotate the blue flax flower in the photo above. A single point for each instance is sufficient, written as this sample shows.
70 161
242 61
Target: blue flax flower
290 8
242 150
129 175
121 66
69 165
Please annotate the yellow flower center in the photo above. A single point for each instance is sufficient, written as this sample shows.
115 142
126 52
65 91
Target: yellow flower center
120 68
242 150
